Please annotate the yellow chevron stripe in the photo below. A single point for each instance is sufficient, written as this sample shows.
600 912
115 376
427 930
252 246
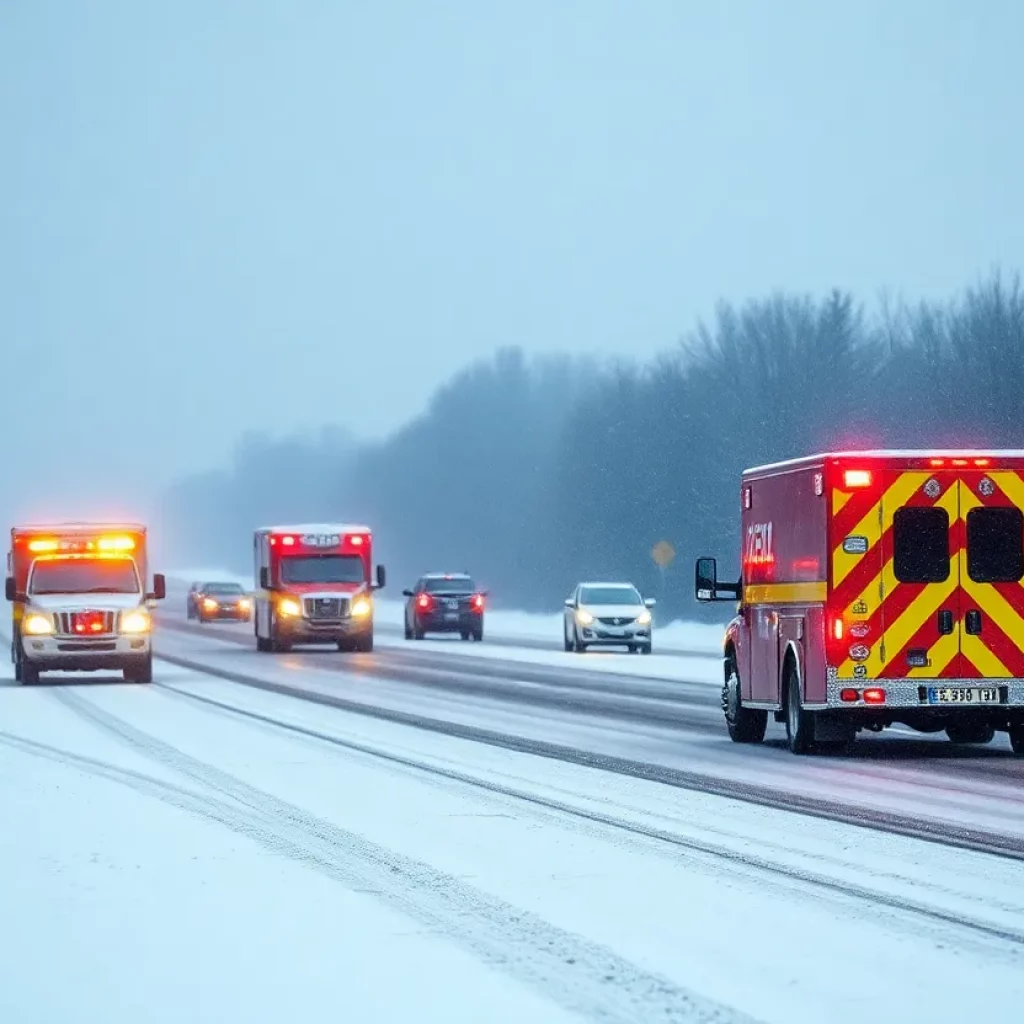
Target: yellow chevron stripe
896 495
785 593
1012 486
839 500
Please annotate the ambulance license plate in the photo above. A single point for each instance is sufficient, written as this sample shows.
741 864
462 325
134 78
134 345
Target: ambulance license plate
963 695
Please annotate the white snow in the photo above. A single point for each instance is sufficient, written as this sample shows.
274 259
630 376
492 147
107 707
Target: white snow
174 861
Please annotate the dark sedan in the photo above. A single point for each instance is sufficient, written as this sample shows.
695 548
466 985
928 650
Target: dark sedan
445 603
210 602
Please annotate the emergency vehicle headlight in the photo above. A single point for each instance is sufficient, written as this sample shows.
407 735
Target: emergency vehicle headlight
584 618
136 621
361 607
37 625
289 607
643 618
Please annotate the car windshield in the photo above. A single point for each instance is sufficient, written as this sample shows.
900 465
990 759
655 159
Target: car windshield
322 569
610 595
85 576
455 585
222 588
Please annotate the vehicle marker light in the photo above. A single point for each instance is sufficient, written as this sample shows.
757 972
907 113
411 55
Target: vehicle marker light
936 462
837 628
37 625
288 541
356 541
959 462
116 544
849 696
874 695
983 462
42 545
857 478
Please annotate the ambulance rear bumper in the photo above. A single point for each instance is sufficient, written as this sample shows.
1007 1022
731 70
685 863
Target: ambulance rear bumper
935 696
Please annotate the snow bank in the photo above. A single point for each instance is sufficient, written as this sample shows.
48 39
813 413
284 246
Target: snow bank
692 637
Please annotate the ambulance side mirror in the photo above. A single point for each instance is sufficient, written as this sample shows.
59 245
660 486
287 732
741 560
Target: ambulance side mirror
265 578
10 590
382 578
159 587
707 586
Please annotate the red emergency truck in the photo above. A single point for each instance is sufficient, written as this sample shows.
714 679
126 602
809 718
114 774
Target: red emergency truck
315 585
877 587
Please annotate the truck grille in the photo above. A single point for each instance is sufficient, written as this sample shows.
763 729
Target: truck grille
67 622
325 609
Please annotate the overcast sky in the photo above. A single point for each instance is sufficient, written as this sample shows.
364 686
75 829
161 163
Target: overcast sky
221 215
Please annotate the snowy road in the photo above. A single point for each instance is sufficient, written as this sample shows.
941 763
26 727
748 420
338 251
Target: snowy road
206 850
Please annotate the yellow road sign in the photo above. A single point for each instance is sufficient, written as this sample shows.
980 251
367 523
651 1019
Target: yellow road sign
663 553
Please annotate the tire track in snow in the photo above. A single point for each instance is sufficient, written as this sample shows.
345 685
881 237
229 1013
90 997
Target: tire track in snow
580 975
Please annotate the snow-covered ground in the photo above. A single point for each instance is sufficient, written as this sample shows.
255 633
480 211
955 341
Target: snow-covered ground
504 624
195 850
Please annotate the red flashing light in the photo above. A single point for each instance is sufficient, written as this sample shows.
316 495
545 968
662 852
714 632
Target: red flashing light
837 628
288 541
854 478
477 602
936 462
423 602
357 540
849 696
983 462
874 695
960 462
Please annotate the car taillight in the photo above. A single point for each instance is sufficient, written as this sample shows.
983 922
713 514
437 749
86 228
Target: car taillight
423 602
477 602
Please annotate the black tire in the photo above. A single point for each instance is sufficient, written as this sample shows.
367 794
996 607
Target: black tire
566 640
364 644
745 725
408 631
577 644
29 673
799 723
478 634
464 635
970 732
417 632
141 671
646 648
1017 738
263 645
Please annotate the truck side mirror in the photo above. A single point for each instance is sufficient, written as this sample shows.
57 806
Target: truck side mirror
9 589
707 586
382 577
159 587
264 578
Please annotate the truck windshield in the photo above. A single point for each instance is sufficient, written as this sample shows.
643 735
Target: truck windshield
85 576
322 569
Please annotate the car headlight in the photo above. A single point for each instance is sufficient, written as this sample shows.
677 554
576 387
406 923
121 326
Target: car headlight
643 618
35 624
289 608
209 604
584 618
137 621
245 604
361 608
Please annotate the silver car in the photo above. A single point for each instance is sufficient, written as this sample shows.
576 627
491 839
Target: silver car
608 615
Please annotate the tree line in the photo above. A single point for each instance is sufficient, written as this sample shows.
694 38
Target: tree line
534 473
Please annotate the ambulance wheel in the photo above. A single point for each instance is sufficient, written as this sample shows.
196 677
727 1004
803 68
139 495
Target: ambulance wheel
799 723
263 645
363 644
970 732
1017 738
141 671
745 725
29 673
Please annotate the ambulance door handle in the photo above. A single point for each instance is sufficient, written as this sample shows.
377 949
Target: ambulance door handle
973 622
945 621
